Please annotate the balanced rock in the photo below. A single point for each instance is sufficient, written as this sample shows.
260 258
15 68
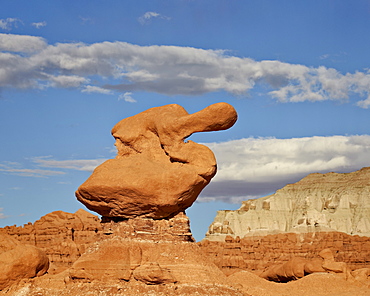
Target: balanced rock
155 173
18 261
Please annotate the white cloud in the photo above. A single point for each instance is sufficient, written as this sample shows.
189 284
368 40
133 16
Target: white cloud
127 97
250 167
21 43
16 170
168 70
255 167
67 81
39 24
9 23
96 89
148 16
77 164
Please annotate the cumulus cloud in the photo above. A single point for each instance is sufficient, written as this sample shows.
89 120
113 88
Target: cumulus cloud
9 23
253 167
148 16
39 24
169 70
20 43
127 97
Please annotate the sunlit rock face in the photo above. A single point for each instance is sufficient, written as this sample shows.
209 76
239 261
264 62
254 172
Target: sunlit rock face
318 202
156 173
19 261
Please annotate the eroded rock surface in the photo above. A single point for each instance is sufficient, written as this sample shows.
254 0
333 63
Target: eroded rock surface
317 203
257 253
18 261
298 267
62 236
155 173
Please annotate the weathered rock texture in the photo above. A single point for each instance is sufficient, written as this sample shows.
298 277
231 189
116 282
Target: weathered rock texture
146 250
18 261
298 267
62 236
260 252
318 202
156 174
138 256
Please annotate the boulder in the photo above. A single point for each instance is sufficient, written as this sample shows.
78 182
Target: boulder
19 261
155 173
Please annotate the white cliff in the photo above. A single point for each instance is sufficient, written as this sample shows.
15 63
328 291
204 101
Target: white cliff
318 202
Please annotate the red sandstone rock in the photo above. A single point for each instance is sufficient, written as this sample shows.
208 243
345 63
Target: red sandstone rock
156 174
297 267
139 250
291 270
151 273
62 236
260 252
362 274
18 261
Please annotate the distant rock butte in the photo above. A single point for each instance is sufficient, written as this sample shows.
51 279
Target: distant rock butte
318 202
155 173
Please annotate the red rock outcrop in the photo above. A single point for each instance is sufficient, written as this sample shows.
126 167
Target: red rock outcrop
62 236
298 267
138 256
155 173
146 250
19 261
259 252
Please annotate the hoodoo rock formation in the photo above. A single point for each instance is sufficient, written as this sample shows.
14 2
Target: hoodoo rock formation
143 244
155 173
318 202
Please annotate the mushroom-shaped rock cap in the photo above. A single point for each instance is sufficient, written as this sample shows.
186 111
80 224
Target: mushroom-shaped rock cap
155 173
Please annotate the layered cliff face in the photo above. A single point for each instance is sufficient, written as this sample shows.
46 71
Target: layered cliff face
318 202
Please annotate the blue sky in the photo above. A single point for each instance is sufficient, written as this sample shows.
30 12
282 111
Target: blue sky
297 73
